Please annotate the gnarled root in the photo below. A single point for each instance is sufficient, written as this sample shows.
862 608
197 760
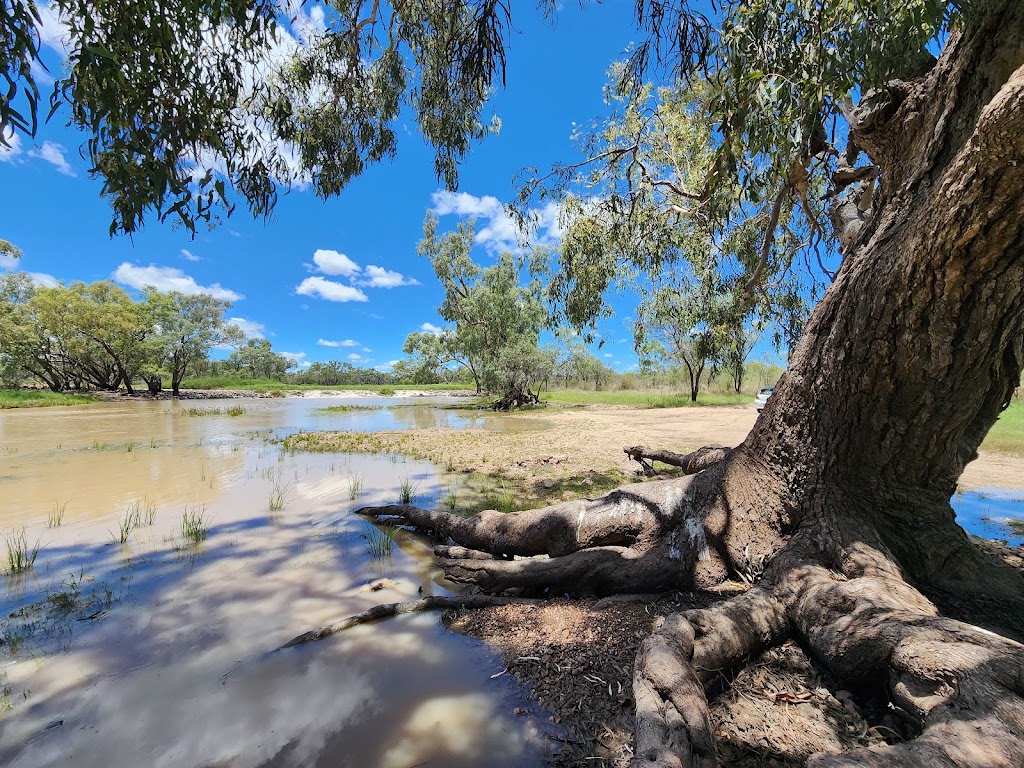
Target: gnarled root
673 727
690 463
616 543
960 684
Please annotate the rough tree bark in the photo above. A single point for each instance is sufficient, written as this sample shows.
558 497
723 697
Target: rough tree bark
836 506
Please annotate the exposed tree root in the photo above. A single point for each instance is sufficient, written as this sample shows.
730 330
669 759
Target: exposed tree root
690 463
387 610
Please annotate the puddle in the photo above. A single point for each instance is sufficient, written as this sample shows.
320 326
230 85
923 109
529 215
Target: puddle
155 651
988 512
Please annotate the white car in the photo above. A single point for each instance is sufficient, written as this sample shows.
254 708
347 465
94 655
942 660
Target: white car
762 397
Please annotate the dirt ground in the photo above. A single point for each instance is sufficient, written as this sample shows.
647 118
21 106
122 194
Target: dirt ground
557 444
577 656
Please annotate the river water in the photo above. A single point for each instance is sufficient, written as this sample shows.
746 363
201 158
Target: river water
156 651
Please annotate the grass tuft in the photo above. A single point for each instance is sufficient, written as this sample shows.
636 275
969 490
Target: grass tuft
407 490
195 527
278 496
355 485
20 556
380 539
56 515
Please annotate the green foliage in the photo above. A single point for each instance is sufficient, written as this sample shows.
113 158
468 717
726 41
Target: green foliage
182 100
34 398
258 358
497 321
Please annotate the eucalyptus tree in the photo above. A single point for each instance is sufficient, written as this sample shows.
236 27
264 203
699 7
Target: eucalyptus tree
497 320
258 358
185 329
836 504
430 351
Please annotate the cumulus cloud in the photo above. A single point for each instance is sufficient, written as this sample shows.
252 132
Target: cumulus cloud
166 279
250 328
343 343
378 277
498 231
335 263
357 358
431 328
43 280
329 290
54 155
7 261
13 149
189 256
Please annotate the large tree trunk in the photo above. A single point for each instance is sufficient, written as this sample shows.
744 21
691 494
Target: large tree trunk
836 506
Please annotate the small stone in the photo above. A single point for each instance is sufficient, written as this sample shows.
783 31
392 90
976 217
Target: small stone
378 585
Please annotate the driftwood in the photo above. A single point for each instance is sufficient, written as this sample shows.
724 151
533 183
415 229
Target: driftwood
387 610
690 463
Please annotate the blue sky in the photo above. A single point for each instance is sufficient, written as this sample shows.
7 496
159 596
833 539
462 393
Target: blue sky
338 279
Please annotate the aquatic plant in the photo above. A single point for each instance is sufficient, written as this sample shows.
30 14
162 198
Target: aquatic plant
278 495
194 525
129 446
380 539
235 410
132 519
355 485
56 515
407 490
20 556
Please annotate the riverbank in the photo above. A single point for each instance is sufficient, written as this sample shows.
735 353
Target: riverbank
576 656
40 398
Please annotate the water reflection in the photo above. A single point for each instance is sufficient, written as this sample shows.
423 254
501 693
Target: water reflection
154 652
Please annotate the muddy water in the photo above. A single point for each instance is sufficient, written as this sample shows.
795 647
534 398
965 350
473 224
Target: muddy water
155 651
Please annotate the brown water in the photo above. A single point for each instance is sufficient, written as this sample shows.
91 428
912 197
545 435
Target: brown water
156 651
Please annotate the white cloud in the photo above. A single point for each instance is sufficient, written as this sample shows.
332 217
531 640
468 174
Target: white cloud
54 155
42 279
250 328
329 290
335 263
189 256
344 343
608 354
166 279
356 358
431 328
378 277
13 148
498 230
8 262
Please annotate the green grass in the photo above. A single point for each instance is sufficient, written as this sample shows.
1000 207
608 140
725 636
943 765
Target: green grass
347 408
194 525
20 556
233 410
355 485
407 490
132 519
56 515
1007 434
28 398
271 386
639 398
278 496
380 539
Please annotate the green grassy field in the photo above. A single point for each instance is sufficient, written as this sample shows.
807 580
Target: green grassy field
25 398
1007 435
639 398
